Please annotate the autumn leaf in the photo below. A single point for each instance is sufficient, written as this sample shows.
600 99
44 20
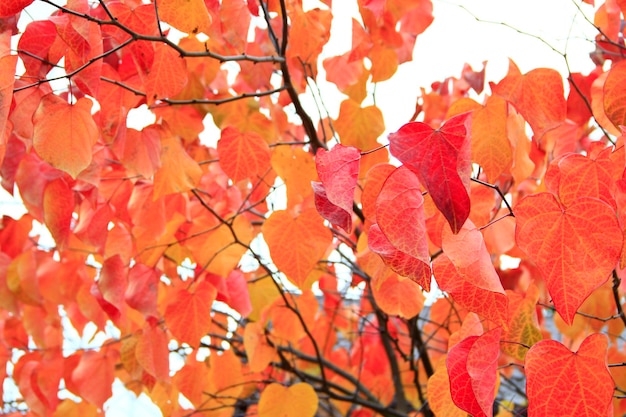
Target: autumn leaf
152 352
441 160
243 154
472 369
399 296
523 330
298 400
358 126
490 142
614 104
94 376
189 313
64 134
537 95
577 382
260 353
296 243
58 206
575 247
338 170
189 16
11 7
178 171
168 75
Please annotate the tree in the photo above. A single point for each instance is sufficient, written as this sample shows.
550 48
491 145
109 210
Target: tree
280 268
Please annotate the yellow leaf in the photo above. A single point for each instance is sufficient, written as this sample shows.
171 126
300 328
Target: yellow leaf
64 134
298 400
190 16
359 126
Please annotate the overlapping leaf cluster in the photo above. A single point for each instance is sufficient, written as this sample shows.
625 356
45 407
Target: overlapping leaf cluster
279 266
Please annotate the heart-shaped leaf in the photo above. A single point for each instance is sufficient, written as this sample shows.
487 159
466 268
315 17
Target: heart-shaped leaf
298 400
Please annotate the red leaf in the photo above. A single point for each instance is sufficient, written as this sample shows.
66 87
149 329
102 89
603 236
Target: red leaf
141 293
472 369
338 170
575 247
94 376
565 383
400 217
614 94
152 352
11 7
441 160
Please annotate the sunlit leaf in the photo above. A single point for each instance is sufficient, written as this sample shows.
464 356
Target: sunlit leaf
359 126
94 376
298 400
577 383
11 7
575 247
189 313
243 154
441 160
64 134
296 243
338 170
167 76
190 16
178 171
152 352
490 143
614 91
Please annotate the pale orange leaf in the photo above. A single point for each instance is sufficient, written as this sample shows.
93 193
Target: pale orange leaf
298 400
188 315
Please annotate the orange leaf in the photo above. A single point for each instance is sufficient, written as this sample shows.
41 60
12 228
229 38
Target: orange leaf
190 16
614 92
359 126
243 154
466 272
491 148
58 206
575 247
298 400
94 376
7 69
258 350
537 95
152 352
64 134
399 296
296 168
439 397
523 329
178 171
192 380
561 382
309 32
167 76
472 369
296 243
188 316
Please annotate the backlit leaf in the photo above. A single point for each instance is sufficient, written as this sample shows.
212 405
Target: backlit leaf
58 206
190 16
472 369
575 247
399 296
178 171
64 134
298 400
359 126
11 7
490 143
441 160
614 92
537 95
243 154
439 397
152 352
94 376
523 326
168 75
562 382
189 314
338 170
296 243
